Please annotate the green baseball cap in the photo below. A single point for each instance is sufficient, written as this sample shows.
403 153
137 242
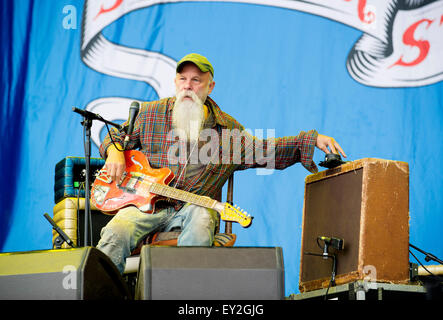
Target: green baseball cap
200 61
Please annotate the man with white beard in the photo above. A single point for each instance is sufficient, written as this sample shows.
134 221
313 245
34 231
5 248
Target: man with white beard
156 128
188 115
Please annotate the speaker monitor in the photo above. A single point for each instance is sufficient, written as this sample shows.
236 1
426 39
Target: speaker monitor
365 203
65 274
210 273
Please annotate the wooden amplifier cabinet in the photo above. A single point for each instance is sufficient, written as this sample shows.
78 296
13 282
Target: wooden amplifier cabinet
366 203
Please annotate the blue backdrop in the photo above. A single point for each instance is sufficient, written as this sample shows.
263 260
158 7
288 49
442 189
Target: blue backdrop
276 67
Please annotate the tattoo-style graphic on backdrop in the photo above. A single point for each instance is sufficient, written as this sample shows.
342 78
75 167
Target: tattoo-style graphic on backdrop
399 47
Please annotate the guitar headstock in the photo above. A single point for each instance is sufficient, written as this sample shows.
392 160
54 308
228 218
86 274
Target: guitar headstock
235 214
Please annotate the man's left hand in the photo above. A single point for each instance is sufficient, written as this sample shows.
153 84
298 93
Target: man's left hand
328 145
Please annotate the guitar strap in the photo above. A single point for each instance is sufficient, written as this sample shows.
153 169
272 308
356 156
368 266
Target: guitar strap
186 165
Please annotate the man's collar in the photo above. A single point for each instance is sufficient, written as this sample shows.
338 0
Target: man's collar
218 114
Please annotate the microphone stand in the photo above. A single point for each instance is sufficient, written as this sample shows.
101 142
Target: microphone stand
325 255
62 236
88 117
428 256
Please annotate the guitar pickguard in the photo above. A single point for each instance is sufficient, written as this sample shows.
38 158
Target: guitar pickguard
100 193
136 162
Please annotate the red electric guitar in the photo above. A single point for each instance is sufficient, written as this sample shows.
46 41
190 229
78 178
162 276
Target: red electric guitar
141 186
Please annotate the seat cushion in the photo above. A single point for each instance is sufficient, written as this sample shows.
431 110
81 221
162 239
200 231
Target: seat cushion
224 239
170 239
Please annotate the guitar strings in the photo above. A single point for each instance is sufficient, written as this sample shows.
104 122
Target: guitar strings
186 164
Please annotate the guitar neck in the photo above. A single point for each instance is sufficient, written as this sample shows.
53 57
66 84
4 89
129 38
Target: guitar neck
177 194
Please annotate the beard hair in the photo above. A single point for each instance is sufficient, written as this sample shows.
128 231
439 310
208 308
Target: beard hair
188 116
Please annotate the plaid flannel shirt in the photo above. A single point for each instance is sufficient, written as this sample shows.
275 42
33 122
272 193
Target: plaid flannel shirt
151 134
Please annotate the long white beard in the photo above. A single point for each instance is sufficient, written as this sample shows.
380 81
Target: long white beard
188 116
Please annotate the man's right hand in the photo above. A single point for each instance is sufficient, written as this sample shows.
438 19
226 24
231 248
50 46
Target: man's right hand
115 162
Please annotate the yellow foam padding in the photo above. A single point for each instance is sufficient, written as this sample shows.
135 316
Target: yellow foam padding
65 216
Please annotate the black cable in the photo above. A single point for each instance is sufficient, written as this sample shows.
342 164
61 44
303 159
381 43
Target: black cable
327 290
78 215
332 274
318 244
112 140
91 240
82 185
332 280
421 264
90 219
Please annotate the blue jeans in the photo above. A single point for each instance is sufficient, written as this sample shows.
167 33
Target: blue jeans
130 225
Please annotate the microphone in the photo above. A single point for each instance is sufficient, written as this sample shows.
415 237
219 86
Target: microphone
87 114
336 243
62 234
133 112
94 116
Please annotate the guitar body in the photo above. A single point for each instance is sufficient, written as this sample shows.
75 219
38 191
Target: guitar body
133 189
142 185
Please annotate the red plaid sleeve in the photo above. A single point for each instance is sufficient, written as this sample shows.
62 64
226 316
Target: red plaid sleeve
280 153
305 142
